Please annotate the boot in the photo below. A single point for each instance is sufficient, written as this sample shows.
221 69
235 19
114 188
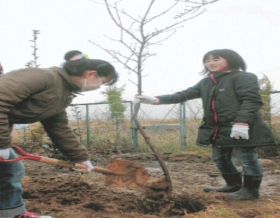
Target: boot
250 189
233 180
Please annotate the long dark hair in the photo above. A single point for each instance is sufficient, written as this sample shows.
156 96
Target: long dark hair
77 63
234 60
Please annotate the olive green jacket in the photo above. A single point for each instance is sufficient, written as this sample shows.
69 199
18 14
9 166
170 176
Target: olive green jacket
34 94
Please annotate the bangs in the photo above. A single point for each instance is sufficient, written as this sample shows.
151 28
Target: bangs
234 60
214 54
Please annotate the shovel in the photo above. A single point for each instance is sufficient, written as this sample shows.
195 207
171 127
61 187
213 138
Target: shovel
119 173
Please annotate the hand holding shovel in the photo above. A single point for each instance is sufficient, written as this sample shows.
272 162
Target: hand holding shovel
119 173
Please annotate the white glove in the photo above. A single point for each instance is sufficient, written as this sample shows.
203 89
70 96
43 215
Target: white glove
89 167
146 99
5 154
240 130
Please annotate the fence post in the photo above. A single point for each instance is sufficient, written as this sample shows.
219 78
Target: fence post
88 125
183 126
134 131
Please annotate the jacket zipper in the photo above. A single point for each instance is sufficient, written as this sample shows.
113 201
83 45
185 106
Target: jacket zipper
213 110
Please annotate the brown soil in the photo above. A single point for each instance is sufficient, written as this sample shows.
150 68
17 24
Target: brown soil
64 193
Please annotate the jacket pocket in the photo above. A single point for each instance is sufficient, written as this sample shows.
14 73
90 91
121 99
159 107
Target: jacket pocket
205 133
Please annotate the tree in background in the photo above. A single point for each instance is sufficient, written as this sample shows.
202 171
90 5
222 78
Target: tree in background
36 135
266 88
265 92
117 110
39 130
137 36
139 33
34 62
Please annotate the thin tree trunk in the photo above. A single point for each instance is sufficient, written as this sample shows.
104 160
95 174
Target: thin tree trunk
159 158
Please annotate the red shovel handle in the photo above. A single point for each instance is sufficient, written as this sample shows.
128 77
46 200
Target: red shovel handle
24 155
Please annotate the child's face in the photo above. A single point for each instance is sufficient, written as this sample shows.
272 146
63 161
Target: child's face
216 64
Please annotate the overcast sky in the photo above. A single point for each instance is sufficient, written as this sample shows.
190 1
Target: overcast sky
250 27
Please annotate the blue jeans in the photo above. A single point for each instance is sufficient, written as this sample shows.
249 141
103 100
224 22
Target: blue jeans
246 157
11 203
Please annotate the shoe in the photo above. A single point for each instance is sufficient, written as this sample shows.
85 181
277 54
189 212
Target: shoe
233 183
30 215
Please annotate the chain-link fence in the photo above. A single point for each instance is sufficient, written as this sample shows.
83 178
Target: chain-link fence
94 126
171 128
272 118
165 125
275 107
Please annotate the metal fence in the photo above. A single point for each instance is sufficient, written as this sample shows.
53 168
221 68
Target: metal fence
94 126
275 115
171 128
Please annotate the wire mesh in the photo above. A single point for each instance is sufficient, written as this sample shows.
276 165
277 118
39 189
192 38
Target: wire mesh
161 123
96 126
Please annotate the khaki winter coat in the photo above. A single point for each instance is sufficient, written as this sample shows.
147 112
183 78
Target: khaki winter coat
34 94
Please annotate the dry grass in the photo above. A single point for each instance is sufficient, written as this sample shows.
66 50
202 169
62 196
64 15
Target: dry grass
241 209
103 134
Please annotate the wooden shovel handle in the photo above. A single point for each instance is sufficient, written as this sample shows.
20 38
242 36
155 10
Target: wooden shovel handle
74 165
25 155
62 163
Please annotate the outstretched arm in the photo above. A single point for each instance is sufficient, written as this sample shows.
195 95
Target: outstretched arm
178 97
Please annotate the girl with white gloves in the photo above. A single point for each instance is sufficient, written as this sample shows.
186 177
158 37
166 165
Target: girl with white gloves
231 121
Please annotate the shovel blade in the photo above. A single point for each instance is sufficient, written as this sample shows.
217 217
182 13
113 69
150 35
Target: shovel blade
131 175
